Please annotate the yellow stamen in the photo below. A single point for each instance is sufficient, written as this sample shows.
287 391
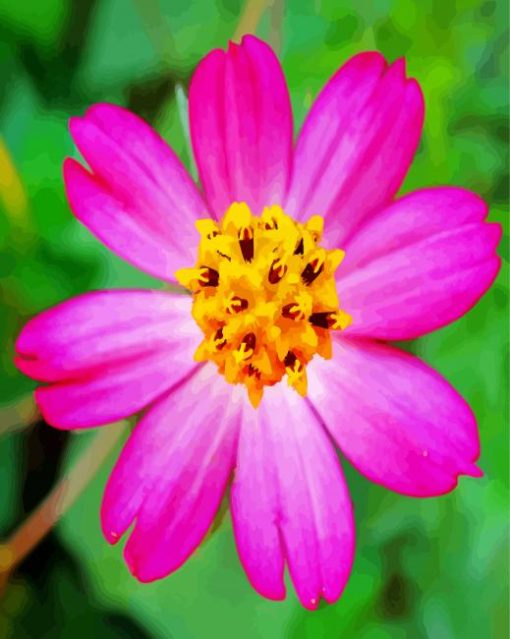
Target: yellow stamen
315 226
341 320
242 354
264 295
207 228
235 304
296 377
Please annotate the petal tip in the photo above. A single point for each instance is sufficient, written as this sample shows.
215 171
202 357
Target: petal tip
415 95
101 109
73 121
107 528
250 41
23 364
71 168
275 594
132 560
369 58
48 414
111 536
474 471
273 589
139 567
400 66
21 347
310 603
75 125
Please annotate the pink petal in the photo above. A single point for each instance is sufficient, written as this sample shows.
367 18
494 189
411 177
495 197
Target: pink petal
419 264
241 126
289 499
139 200
356 144
108 354
171 475
397 420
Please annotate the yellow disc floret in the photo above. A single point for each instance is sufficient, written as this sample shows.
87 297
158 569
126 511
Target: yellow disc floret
264 295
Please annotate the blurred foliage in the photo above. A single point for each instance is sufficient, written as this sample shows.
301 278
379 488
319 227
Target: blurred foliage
424 568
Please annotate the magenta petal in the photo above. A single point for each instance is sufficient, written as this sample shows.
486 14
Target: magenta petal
241 126
108 354
171 475
96 329
289 499
139 199
117 224
419 264
356 144
397 420
254 503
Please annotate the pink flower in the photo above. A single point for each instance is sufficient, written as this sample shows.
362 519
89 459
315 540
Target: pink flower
411 265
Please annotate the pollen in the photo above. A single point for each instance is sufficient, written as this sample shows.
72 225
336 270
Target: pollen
264 295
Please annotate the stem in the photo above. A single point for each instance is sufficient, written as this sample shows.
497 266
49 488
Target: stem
21 415
62 496
276 19
12 192
250 17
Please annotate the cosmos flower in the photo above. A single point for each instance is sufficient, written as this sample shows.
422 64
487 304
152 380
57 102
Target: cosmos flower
301 264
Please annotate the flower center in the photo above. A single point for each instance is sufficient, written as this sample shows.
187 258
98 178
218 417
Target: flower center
264 296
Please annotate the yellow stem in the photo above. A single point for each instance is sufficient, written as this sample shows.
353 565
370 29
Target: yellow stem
276 25
21 415
250 17
12 193
63 495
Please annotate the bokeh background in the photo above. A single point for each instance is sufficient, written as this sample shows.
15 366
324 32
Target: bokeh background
424 568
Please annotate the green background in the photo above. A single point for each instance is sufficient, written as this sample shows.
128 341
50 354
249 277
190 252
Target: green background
424 568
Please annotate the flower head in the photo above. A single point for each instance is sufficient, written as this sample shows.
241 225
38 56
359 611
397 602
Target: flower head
300 263
264 295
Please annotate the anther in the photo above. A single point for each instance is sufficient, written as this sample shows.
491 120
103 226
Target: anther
296 373
246 348
207 228
323 320
300 248
251 371
246 243
219 340
312 270
315 226
269 218
290 360
236 304
293 311
250 340
208 276
277 271
336 320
